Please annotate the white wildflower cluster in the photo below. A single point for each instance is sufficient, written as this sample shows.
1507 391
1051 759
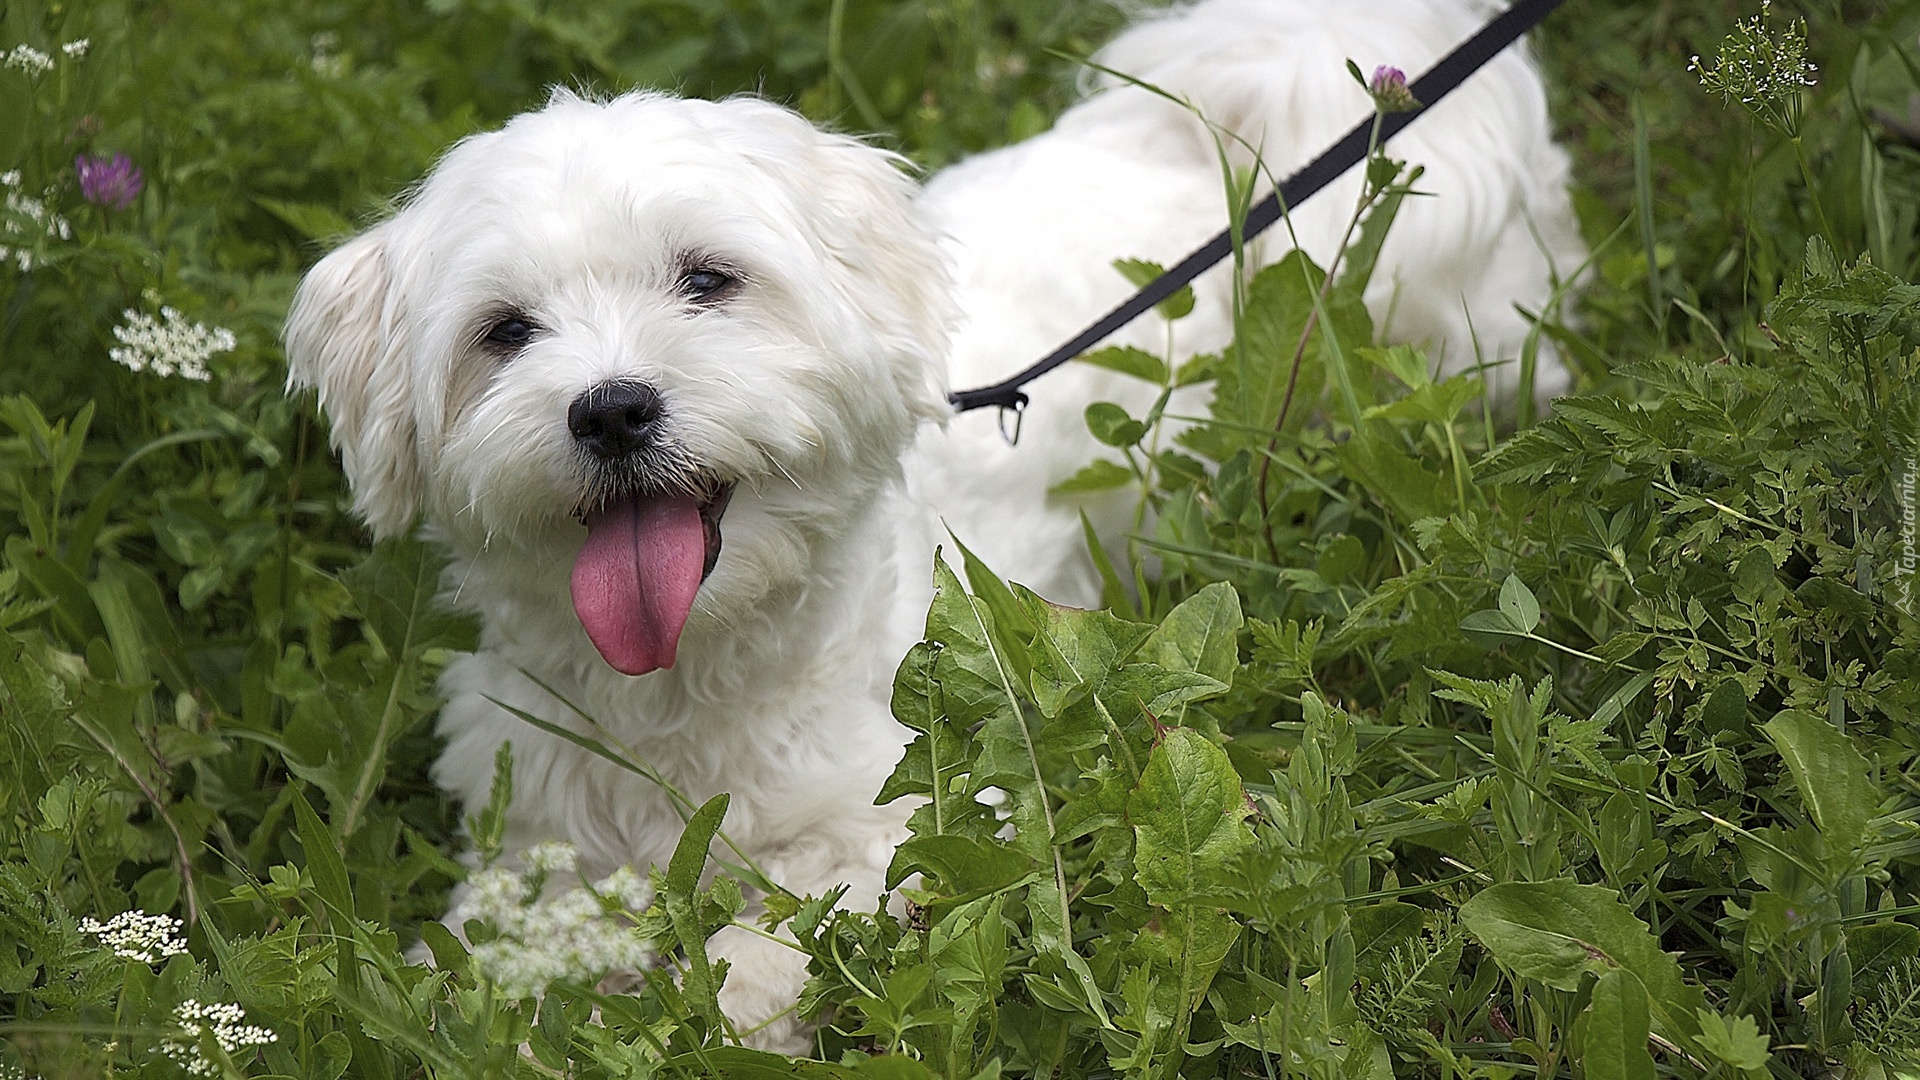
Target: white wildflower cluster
25 222
328 60
1763 71
224 1022
32 61
28 59
169 345
581 933
136 935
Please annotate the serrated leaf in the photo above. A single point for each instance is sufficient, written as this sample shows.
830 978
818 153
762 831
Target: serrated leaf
1435 403
1098 475
973 685
1141 273
1403 362
1128 360
1737 1041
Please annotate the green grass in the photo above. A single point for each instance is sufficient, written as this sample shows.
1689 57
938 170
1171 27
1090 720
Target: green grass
1439 749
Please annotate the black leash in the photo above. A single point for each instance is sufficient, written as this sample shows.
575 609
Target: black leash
1439 81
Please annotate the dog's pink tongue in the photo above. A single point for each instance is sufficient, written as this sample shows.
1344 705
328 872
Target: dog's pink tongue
634 582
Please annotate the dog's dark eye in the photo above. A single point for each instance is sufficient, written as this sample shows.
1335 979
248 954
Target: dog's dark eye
704 284
511 332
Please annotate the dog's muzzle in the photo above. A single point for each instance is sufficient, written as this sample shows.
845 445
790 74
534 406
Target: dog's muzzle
653 531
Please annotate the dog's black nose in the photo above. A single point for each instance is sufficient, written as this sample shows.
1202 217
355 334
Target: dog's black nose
611 420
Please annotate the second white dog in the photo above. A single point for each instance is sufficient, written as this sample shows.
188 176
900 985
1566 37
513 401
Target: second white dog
666 379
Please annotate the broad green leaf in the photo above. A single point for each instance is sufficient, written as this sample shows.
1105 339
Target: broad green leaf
1377 930
1078 650
1617 1030
1834 779
1253 377
1492 622
1409 488
1111 424
1725 711
1518 604
324 862
963 867
1559 931
740 1063
935 764
1158 690
1877 949
1202 635
1189 817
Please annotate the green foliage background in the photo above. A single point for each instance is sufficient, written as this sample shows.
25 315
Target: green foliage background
1441 747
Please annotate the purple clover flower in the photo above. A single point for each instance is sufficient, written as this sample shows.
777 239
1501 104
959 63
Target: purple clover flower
1389 89
110 182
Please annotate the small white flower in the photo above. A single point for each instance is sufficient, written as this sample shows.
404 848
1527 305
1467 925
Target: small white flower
136 935
224 1022
169 345
626 886
28 59
25 220
328 61
1764 70
77 50
551 857
578 934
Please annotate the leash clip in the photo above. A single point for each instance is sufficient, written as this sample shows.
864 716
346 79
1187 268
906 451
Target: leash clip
1018 408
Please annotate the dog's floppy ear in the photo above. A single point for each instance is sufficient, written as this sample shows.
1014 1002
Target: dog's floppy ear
344 340
893 263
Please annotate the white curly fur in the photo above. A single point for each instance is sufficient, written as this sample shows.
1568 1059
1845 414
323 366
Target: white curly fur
813 386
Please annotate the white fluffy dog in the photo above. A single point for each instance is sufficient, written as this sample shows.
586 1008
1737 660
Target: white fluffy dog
667 379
